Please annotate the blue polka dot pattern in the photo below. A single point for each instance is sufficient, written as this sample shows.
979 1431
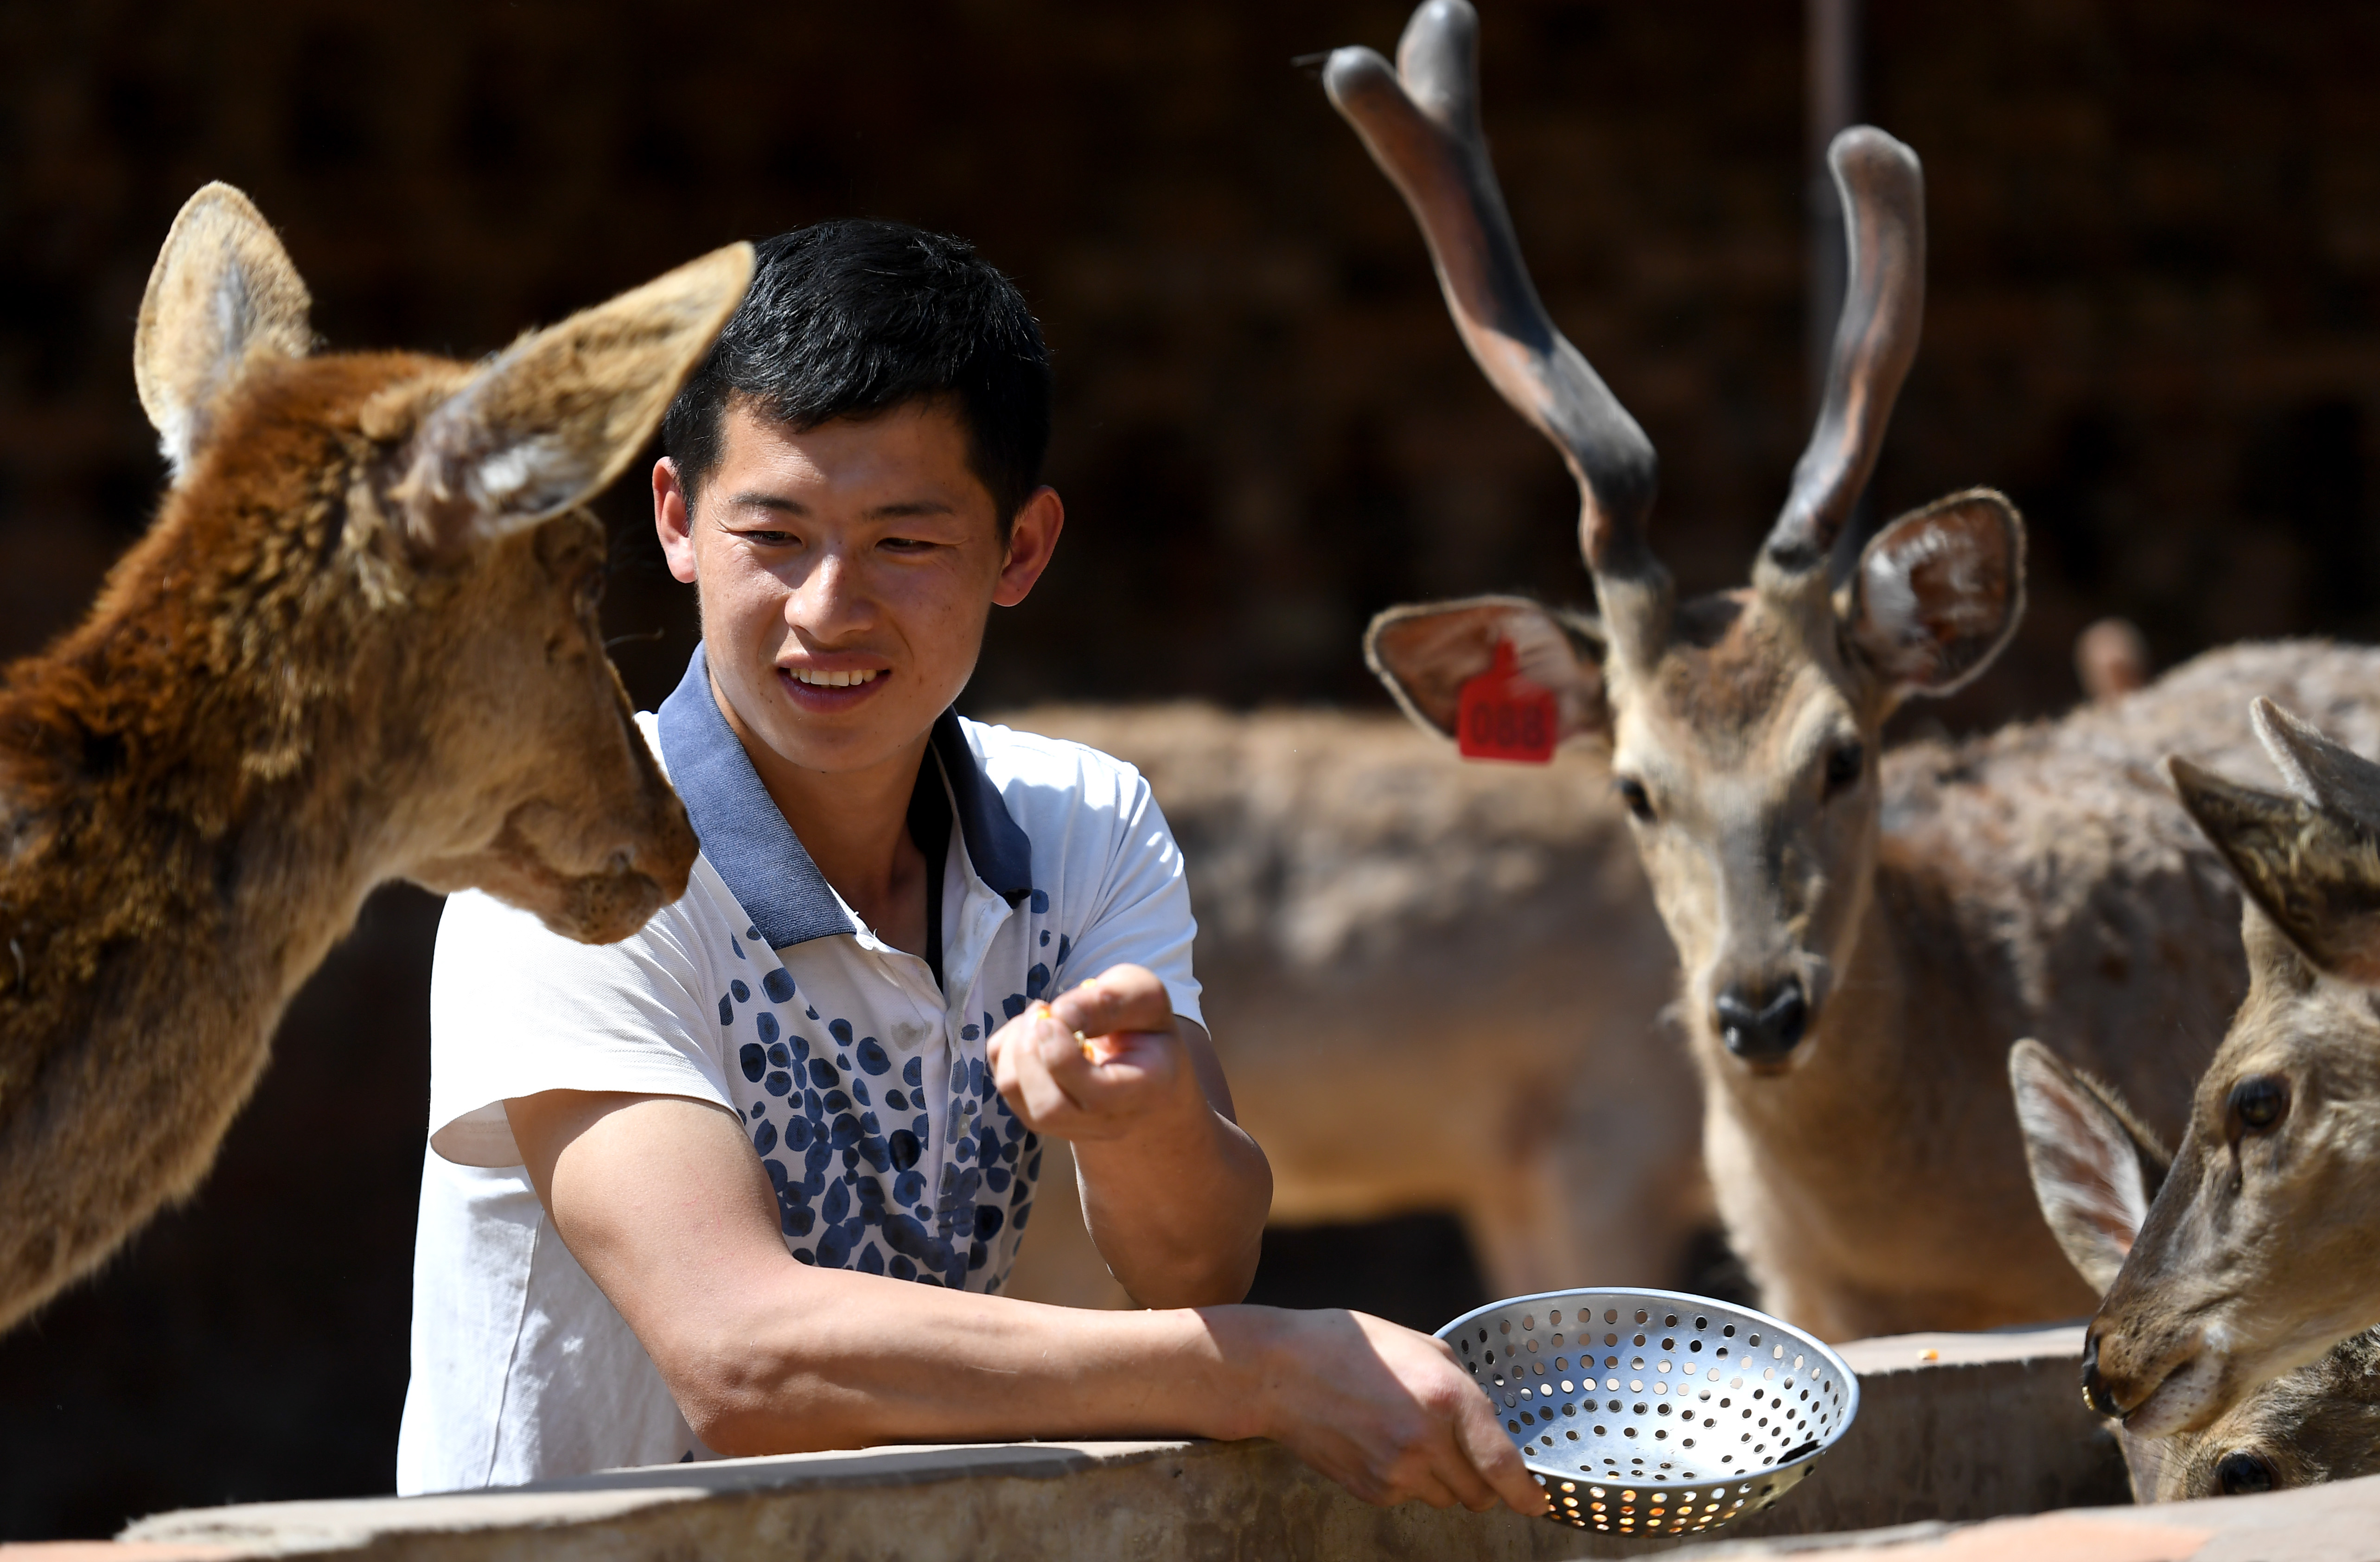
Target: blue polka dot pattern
1040 902
891 1153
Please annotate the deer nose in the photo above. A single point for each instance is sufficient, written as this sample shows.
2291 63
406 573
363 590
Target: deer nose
2095 1387
1759 1027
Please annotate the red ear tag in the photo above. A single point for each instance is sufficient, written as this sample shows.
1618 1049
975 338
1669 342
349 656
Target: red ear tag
1505 716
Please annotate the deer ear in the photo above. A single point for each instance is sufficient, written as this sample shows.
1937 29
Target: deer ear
1427 652
221 295
2313 871
2318 770
1939 591
2093 1172
557 415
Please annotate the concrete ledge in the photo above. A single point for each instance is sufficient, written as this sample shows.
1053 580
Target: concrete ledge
2337 1523
1959 1427
1952 1429
1158 1501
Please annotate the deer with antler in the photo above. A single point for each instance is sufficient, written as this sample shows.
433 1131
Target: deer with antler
2261 1251
353 647
1861 934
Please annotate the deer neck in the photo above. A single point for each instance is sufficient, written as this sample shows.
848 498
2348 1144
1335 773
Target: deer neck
1871 1185
182 850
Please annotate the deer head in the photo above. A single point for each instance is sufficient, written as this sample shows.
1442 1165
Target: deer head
2095 1169
2260 1252
1743 727
460 568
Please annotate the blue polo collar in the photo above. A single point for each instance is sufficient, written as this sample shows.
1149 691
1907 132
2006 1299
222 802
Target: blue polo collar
756 853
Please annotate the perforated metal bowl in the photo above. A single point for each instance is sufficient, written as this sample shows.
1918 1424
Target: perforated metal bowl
1654 1413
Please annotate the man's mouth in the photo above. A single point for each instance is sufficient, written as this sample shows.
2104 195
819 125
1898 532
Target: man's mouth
816 679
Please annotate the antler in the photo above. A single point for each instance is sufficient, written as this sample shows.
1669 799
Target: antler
1420 125
1884 300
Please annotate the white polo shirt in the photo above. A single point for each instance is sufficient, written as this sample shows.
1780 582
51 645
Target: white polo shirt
861 1084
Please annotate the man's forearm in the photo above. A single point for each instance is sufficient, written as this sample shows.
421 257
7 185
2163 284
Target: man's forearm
828 1359
1178 1217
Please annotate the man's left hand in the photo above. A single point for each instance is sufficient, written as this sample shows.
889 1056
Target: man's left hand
1102 1061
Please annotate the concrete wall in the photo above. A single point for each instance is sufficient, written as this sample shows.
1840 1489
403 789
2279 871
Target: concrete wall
1952 1428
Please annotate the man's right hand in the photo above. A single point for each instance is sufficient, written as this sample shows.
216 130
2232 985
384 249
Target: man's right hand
1386 1412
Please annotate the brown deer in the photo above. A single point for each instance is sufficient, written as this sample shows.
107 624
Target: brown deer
359 644
2095 1168
1395 985
2264 1249
1859 933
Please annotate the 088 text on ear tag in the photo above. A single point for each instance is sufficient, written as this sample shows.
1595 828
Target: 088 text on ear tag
1505 716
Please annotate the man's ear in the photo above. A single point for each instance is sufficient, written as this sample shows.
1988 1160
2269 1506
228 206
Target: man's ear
2094 1169
2313 871
1939 591
555 417
1428 652
2318 770
221 295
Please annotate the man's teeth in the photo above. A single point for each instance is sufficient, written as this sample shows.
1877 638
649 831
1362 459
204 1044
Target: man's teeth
836 680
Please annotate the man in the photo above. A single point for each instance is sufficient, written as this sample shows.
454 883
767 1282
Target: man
749 1181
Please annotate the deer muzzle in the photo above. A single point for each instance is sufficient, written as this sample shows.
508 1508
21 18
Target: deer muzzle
1762 1023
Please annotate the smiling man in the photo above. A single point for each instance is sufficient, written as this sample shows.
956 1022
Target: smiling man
750 1180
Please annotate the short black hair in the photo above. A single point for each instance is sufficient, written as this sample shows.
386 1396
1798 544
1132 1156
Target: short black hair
851 318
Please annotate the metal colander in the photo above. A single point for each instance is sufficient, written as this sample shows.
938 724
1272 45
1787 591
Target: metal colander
1653 1412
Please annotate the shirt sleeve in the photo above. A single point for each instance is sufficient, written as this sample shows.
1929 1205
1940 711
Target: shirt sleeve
515 1010
1140 910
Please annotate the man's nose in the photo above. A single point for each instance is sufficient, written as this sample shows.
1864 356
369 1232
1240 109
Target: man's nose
832 598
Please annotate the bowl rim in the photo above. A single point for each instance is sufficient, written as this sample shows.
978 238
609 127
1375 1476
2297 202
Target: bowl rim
1851 1378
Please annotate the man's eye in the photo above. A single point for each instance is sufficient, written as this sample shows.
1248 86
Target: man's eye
908 544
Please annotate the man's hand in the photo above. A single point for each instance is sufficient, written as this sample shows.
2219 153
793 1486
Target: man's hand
1386 1413
1175 1194
1101 1062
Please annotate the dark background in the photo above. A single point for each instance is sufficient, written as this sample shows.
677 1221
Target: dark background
2154 319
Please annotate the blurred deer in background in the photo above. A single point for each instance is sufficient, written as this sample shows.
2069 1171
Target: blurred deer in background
1393 978
2095 1169
2264 1249
359 644
1859 934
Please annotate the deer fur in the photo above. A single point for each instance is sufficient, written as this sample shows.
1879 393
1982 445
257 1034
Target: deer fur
1859 933
358 643
1403 988
2095 1167
2263 1251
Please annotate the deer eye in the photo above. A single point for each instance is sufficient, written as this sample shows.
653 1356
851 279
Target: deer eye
1845 766
2240 1470
1633 793
2257 1102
